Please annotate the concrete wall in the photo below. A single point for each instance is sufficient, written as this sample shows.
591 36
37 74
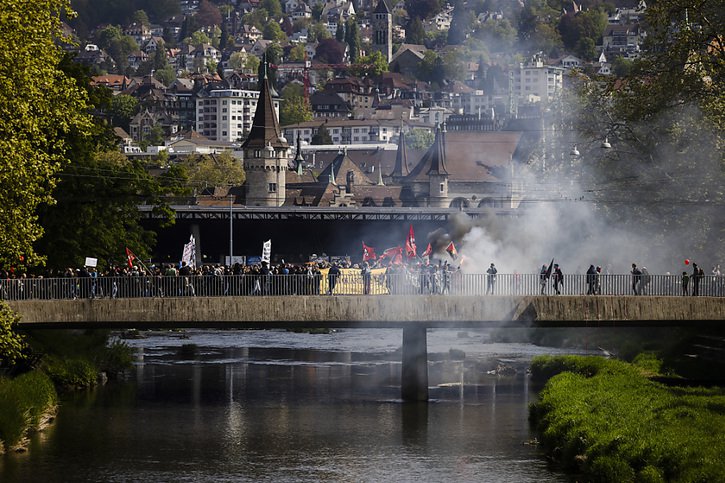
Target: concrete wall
371 311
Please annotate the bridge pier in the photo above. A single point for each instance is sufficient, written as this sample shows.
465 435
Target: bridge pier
414 377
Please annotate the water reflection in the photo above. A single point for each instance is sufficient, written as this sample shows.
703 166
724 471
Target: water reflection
288 413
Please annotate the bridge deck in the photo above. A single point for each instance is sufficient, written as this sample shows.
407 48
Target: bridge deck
389 311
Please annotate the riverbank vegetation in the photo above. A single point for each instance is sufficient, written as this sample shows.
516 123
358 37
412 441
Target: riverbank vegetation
607 420
34 366
27 403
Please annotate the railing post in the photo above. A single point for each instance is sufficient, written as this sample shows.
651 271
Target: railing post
414 376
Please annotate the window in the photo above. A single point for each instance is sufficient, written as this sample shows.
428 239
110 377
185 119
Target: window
443 187
272 187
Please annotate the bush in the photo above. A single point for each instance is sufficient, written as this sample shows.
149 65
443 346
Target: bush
70 373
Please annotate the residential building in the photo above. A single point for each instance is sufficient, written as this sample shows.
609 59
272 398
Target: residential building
537 79
224 114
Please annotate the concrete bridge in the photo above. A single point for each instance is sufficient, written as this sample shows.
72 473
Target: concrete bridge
414 314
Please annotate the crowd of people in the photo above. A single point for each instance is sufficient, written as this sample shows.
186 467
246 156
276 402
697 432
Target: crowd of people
342 277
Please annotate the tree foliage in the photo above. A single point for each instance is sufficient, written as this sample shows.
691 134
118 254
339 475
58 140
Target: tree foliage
294 108
214 170
39 107
665 123
422 9
208 14
322 136
330 51
373 64
12 344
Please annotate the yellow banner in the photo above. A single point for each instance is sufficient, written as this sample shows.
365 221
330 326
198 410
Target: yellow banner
350 282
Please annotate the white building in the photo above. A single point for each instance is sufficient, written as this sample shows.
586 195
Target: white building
538 79
226 114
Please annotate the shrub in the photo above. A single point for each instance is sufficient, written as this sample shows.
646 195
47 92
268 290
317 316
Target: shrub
70 372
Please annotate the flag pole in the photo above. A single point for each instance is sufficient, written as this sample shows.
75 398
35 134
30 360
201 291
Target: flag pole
231 231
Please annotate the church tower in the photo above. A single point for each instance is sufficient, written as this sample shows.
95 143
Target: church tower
437 173
266 153
383 30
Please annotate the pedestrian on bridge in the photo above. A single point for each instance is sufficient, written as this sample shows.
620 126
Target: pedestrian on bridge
491 279
636 278
558 279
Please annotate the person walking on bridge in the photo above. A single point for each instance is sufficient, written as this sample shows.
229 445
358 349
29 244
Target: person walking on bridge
636 278
558 279
491 279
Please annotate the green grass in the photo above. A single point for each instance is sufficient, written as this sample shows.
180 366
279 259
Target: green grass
605 419
23 401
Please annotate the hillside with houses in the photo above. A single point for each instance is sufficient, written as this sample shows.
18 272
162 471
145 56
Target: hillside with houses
364 94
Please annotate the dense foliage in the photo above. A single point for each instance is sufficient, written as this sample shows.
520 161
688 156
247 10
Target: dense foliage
39 106
12 344
605 419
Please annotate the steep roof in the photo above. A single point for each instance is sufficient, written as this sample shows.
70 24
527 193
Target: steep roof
265 126
382 7
339 167
401 168
433 161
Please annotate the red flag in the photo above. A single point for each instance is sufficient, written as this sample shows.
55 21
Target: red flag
451 249
368 253
410 249
130 257
395 254
428 251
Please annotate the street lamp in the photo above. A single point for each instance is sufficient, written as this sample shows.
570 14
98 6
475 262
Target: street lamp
231 231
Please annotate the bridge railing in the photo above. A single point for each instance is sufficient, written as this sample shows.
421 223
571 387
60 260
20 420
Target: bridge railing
407 283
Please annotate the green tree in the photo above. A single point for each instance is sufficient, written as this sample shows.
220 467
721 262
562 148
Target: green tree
122 108
251 64
297 53
272 31
273 7
419 139
257 17
12 345
198 39
40 106
322 136
97 210
294 108
461 23
352 38
318 32
373 64
165 75
214 170
415 32
422 8
140 17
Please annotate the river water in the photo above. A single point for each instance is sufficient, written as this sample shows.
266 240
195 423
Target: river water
287 407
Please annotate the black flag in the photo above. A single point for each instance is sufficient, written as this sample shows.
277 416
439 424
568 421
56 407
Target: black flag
548 270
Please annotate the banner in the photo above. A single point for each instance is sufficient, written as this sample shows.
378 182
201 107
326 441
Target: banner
267 251
189 253
428 251
410 248
368 253
130 257
395 254
91 262
451 249
350 282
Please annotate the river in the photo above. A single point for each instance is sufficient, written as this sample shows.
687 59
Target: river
281 407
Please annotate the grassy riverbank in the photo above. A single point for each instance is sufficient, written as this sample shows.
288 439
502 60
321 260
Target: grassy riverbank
606 420
34 366
27 403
